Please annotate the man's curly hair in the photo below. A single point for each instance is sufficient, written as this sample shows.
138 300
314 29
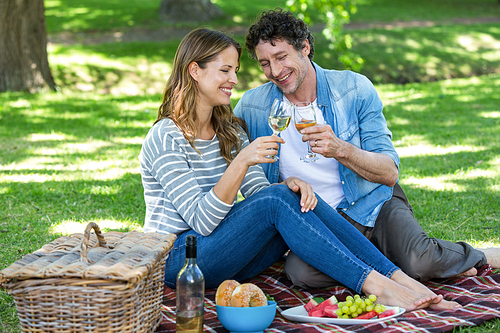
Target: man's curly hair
278 24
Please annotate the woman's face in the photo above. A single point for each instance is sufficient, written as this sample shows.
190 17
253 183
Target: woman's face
216 81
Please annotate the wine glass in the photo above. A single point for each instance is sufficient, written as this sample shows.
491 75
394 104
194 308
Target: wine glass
279 119
305 116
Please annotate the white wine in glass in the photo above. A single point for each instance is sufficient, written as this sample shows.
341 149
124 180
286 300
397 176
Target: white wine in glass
305 116
279 119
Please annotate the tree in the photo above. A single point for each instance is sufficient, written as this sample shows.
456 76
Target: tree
335 13
188 10
24 65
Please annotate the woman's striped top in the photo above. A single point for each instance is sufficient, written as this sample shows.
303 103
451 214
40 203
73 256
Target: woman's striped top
178 182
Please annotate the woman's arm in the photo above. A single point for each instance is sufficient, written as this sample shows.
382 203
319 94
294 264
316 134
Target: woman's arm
255 153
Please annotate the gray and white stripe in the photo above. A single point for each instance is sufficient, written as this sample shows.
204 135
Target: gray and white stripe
178 181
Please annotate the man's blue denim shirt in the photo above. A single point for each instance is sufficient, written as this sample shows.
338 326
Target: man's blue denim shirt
352 107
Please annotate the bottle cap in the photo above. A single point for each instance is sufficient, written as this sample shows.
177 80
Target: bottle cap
190 246
191 240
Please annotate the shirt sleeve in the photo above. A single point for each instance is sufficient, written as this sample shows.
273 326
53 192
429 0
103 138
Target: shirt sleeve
255 180
202 211
374 133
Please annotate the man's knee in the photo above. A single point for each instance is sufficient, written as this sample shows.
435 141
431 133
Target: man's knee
304 275
420 270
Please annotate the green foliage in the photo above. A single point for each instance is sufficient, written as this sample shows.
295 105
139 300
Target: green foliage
335 14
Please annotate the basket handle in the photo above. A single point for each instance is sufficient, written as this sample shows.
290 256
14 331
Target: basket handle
86 238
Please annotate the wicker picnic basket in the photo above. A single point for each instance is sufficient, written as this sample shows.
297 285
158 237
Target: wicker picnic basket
91 283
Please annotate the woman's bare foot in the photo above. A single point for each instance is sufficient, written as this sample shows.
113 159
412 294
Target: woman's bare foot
437 303
445 305
391 293
400 277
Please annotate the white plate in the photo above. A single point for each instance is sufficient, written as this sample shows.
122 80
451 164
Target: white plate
299 314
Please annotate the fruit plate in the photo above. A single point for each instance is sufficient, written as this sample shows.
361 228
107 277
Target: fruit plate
299 314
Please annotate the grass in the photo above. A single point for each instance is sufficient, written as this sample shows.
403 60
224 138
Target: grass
95 15
71 157
423 10
391 56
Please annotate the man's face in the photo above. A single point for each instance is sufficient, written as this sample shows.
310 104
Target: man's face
283 64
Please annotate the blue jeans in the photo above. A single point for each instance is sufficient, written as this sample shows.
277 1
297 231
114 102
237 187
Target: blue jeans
259 230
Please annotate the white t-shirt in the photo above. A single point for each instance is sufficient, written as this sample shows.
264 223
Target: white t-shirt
323 175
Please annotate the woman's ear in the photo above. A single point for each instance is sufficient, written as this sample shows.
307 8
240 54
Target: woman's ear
193 70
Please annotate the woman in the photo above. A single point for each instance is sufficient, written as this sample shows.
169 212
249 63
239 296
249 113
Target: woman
196 158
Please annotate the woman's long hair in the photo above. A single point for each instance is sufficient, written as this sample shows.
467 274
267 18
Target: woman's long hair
179 99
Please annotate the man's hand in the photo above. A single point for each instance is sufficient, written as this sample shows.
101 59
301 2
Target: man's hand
375 167
308 198
323 141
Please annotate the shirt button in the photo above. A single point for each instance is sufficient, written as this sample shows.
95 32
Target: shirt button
345 209
352 203
343 182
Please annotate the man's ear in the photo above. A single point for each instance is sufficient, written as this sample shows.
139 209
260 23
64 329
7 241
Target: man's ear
193 70
306 49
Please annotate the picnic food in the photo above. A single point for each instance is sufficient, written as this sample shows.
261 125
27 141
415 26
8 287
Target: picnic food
224 292
232 293
248 294
356 307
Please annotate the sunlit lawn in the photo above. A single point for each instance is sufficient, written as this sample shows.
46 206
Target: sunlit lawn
71 157
95 15
399 55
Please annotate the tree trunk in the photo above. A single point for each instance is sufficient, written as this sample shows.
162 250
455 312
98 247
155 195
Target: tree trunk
188 10
24 65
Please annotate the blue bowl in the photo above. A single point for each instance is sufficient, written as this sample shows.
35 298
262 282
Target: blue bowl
247 320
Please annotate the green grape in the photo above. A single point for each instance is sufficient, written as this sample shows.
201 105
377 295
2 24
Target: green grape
354 306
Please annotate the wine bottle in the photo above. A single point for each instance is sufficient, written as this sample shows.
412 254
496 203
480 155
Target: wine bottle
190 292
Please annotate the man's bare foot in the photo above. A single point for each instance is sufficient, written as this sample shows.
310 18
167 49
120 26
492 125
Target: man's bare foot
492 256
391 293
469 273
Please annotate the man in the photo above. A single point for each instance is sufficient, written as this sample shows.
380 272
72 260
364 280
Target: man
357 172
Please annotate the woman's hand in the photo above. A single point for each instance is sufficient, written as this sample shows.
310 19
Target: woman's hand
256 152
308 198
